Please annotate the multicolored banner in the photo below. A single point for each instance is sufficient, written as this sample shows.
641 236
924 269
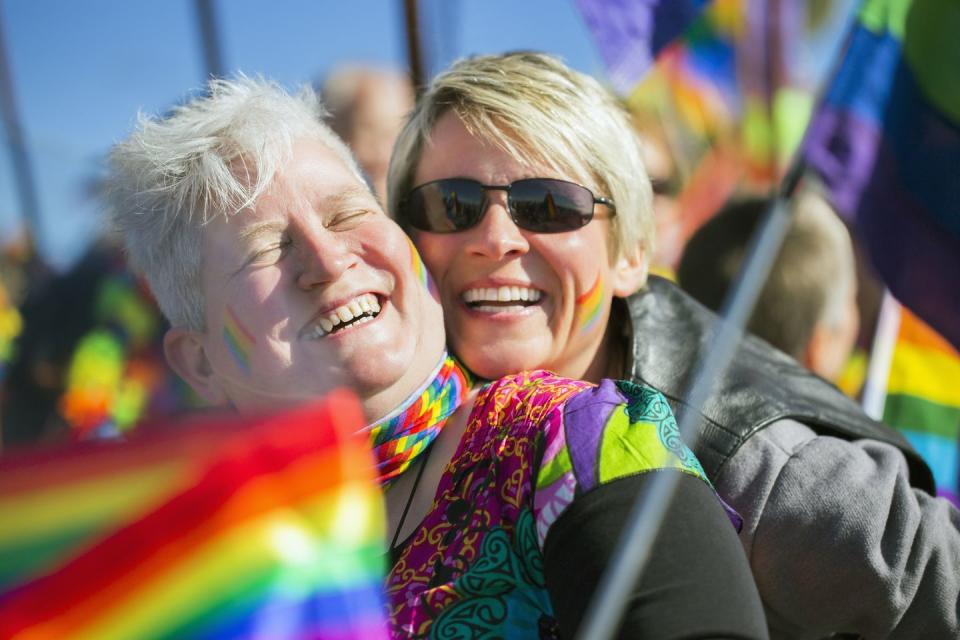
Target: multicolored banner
236 528
630 33
886 142
923 399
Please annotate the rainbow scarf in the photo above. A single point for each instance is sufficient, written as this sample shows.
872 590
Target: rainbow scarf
407 432
269 528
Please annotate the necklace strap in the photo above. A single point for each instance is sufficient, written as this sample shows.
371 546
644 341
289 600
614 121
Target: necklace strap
413 492
405 433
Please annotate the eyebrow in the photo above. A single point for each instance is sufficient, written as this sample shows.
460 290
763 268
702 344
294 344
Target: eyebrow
347 196
255 231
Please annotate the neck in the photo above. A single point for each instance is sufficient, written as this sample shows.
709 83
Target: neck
610 358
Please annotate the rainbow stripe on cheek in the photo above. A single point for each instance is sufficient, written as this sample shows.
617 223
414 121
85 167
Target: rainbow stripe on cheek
420 269
239 340
589 306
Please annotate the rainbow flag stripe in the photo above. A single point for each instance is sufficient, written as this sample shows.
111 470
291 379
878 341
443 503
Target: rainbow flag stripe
923 399
590 305
278 533
63 498
420 269
238 339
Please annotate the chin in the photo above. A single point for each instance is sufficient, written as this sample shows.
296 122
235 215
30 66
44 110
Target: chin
494 366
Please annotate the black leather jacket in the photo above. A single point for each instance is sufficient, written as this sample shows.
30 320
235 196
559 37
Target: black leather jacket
668 330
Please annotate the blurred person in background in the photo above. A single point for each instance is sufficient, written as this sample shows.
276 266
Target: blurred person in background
808 306
521 181
665 182
286 280
88 362
368 106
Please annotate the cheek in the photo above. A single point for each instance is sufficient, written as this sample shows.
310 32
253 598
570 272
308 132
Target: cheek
437 251
589 305
420 269
239 340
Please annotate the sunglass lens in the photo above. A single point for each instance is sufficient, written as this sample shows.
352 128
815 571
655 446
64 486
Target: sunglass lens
550 206
445 206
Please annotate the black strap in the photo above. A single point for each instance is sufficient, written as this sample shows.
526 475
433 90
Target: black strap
413 491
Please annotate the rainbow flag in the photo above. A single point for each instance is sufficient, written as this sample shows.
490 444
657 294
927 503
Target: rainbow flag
268 528
631 33
886 142
923 399
701 69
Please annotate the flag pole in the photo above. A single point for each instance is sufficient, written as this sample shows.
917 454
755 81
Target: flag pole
20 158
210 38
602 618
418 72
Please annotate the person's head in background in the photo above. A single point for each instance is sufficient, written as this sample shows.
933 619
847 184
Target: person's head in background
665 182
516 297
268 253
368 106
807 307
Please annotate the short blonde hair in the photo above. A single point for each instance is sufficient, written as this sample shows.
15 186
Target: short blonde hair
812 280
538 110
175 173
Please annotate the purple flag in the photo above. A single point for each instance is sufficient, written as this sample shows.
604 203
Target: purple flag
630 33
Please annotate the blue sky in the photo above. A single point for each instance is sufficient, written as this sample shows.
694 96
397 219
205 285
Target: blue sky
82 70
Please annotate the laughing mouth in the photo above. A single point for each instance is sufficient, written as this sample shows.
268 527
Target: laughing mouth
360 310
493 299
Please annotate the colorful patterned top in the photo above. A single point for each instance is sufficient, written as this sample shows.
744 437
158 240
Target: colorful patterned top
533 444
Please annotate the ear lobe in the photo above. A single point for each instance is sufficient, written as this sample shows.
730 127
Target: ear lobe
187 356
630 274
810 357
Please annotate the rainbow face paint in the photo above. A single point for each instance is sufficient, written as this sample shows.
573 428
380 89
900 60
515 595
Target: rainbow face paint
589 306
238 339
416 263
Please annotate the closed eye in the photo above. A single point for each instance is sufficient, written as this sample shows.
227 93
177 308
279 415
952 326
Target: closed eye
349 219
269 254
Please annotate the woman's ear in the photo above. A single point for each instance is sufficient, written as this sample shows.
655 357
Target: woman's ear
187 356
630 273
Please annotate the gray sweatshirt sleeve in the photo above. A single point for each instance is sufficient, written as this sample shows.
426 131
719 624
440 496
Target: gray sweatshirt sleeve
839 541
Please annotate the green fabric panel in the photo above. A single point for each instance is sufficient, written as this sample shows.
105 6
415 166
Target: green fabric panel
629 448
917 414
551 471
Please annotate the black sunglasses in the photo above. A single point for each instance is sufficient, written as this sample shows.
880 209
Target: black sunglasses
541 205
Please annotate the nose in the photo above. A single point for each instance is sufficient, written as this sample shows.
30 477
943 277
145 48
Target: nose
497 236
322 258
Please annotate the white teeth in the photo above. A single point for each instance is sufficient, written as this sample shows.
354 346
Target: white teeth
503 294
361 309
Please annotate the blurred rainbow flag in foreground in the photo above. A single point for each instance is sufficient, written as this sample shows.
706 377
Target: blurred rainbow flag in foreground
268 528
886 142
914 388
